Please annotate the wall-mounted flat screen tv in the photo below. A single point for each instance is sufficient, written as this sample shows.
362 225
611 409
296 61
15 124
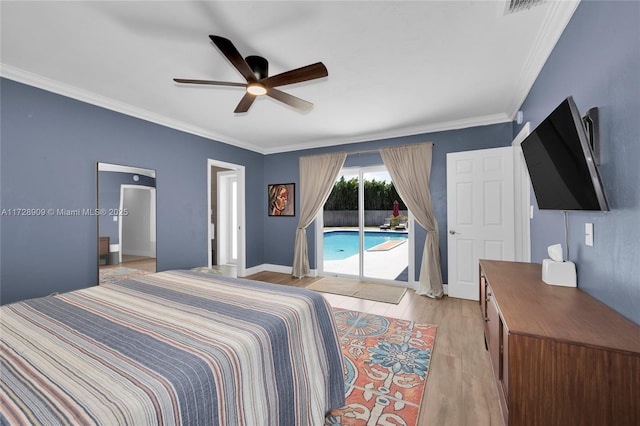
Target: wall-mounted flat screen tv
561 164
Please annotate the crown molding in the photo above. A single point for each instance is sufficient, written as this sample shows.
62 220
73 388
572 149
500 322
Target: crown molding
53 86
558 15
109 167
35 80
390 134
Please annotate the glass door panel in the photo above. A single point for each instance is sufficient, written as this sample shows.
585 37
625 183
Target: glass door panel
386 248
365 234
341 237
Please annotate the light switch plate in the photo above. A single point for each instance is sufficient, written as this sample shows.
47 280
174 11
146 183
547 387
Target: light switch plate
588 234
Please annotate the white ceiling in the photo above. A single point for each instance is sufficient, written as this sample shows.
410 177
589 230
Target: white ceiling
395 68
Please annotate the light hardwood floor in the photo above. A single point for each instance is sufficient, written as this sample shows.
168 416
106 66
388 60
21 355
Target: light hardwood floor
460 390
135 262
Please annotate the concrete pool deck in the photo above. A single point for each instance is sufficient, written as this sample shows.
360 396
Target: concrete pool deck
383 264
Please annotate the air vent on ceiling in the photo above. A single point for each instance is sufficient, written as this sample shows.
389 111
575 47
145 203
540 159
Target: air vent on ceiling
513 6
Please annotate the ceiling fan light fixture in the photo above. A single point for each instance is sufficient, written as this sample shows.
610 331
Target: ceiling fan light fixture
254 69
256 89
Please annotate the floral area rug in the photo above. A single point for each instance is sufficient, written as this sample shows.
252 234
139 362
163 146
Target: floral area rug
386 365
114 275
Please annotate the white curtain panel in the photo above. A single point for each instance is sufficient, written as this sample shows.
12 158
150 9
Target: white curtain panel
317 176
410 170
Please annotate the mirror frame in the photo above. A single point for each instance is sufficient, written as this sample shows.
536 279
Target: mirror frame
139 176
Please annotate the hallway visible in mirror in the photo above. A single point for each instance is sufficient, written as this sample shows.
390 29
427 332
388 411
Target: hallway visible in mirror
126 222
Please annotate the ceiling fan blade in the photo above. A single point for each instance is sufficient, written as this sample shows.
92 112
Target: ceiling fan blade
293 101
310 72
245 103
209 82
231 53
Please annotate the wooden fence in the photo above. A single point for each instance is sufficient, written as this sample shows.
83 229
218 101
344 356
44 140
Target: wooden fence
349 218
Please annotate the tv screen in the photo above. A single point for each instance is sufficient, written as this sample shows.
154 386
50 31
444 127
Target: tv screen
559 157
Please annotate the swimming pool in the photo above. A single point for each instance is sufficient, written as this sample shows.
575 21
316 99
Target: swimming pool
339 245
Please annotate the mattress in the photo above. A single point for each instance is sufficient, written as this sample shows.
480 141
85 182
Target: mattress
175 347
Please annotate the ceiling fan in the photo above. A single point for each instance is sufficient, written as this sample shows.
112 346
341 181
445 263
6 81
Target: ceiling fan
255 70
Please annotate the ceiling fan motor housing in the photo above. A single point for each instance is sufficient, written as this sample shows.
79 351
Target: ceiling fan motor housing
259 66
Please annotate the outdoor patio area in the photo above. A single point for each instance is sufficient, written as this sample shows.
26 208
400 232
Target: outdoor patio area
388 264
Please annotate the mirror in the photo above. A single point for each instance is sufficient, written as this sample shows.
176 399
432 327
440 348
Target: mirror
126 222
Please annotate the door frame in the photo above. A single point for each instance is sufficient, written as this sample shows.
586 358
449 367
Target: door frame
468 290
240 170
360 171
522 197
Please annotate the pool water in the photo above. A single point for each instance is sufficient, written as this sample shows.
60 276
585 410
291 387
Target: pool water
339 245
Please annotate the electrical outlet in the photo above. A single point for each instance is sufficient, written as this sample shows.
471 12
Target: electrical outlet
588 234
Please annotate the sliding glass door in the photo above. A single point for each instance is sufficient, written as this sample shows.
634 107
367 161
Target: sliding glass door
341 236
365 228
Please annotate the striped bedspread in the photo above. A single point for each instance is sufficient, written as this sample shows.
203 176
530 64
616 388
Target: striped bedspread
172 348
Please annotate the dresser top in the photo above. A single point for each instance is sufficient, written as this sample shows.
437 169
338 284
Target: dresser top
531 307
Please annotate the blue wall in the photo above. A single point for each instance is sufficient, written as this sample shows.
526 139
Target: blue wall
51 144
50 149
597 60
284 167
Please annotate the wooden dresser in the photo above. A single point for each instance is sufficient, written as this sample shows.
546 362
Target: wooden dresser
559 356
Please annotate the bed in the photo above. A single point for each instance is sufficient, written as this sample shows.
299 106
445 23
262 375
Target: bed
175 347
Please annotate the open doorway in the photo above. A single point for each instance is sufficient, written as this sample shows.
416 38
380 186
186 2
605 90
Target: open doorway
226 239
137 225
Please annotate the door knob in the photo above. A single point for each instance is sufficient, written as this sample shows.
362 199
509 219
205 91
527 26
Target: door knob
452 232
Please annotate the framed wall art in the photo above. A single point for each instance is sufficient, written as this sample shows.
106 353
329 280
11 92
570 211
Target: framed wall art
282 201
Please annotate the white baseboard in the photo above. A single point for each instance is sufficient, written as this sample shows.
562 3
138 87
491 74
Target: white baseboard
269 267
282 269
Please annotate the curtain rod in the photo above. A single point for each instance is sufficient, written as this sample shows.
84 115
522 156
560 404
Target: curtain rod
368 151
373 151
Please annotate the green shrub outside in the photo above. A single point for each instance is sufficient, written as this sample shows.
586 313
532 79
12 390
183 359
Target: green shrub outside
378 195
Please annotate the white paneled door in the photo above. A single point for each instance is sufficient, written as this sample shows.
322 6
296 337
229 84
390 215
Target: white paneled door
480 215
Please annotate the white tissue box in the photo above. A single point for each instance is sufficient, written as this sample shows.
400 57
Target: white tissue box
559 273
